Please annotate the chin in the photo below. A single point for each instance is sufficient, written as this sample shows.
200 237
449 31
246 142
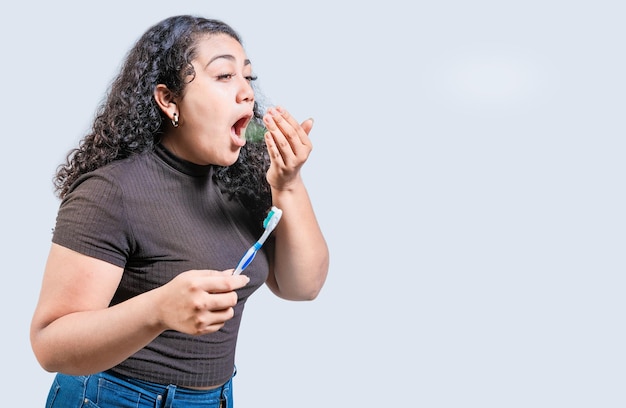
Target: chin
228 160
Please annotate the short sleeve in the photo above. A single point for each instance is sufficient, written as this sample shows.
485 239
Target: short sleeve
92 220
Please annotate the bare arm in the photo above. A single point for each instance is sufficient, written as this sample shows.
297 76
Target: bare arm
74 330
300 261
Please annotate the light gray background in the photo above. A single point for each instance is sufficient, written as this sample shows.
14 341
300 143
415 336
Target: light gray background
468 171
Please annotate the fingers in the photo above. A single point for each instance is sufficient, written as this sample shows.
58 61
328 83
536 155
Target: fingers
215 302
200 301
219 296
287 140
219 310
220 281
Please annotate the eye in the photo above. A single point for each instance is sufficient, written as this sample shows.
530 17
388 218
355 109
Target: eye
251 78
225 76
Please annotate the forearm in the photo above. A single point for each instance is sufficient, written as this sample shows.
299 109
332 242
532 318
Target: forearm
301 257
86 342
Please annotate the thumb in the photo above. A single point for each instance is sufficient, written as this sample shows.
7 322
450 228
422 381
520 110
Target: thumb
307 125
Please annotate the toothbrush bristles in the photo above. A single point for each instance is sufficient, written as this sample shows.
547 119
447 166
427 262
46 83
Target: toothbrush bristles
268 218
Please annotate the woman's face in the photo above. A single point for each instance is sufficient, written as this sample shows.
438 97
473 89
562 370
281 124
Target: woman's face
216 106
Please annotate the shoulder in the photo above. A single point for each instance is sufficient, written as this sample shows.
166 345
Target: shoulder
115 176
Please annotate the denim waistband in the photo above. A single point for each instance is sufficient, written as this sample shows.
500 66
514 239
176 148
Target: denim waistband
166 395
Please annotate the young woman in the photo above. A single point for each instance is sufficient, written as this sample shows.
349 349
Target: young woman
139 306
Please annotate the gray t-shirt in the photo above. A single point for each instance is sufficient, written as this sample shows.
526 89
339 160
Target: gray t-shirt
157 216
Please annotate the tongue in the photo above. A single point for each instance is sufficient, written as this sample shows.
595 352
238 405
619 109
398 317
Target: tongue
240 141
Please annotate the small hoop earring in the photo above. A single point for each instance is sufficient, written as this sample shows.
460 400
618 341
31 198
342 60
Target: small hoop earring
175 120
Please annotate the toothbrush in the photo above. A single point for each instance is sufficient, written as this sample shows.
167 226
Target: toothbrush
269 224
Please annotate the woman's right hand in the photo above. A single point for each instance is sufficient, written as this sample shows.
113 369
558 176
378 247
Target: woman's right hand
199 301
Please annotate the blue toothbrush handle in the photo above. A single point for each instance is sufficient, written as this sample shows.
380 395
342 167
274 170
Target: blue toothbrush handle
247 258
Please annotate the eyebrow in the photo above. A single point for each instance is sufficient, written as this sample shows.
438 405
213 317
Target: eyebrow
229 57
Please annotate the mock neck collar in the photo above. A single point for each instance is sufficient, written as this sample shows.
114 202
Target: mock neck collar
184 166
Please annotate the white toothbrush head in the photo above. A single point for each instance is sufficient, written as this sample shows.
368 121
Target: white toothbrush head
271 221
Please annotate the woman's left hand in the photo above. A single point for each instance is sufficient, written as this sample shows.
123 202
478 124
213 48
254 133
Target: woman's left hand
288 145
299 260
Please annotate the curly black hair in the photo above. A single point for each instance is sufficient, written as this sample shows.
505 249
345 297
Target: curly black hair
129 121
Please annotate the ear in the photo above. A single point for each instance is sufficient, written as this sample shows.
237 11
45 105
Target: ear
165 100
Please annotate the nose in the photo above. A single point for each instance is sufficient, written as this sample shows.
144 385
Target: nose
245 93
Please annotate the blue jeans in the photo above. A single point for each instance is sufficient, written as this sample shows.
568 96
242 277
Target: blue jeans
105 390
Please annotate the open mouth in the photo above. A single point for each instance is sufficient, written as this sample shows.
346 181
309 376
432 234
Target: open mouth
239 128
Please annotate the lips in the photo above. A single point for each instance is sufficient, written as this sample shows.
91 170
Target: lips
238 130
